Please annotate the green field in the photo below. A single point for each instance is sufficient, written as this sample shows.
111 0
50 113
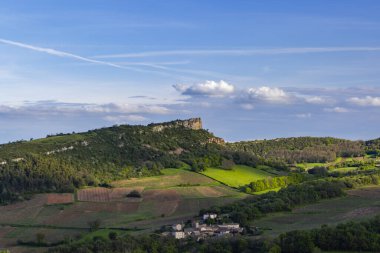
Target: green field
238 176
307 166
269 190
345 169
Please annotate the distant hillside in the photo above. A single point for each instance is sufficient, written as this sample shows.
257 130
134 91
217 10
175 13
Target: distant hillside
303 149
373 147
65 162
119 145
68 161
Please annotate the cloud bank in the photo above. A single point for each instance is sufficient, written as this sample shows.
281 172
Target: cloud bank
257 111
321 100
208 88
337 109
112 112
270 95
365 101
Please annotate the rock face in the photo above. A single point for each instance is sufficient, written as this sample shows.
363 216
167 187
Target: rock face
193 123
216 140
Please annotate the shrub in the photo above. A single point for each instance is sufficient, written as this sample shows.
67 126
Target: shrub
134 194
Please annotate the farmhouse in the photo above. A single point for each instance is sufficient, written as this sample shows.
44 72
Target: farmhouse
177 227
178 234
222 232
201 231
209 216
229 226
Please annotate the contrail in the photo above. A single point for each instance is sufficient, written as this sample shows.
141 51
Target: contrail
160 69
64 54
241 52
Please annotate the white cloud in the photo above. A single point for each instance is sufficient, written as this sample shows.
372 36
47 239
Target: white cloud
208 88
121 119
337 110
247 106
365 101
304 115
316 100
268 94
205 104
125 108
55 108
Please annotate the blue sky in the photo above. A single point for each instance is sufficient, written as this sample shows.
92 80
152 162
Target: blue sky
250 69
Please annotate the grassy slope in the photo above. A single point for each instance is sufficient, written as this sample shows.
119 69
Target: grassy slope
307 166
42 145
239 175
266 191
345 169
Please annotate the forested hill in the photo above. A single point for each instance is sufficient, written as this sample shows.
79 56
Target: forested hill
103 149
67 161
306 149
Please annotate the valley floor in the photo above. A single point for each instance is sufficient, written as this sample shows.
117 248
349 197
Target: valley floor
173 197
176 196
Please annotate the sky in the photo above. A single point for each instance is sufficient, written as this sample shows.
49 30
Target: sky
250 69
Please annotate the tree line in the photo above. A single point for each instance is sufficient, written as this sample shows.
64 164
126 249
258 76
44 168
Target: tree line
273 183
247 210
350 236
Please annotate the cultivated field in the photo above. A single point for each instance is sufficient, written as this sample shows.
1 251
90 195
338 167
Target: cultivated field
100 194
239 175
359 204
177 195
207 191
59 198
170 178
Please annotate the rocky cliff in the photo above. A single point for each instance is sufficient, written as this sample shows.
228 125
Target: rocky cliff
193 123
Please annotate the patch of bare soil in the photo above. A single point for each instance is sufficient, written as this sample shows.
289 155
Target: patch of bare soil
59 198
367 192
209 191
361 212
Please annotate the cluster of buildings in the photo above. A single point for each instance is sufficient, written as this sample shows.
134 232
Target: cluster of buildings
201 230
